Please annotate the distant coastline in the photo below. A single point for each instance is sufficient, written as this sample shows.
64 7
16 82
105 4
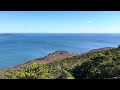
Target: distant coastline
6 34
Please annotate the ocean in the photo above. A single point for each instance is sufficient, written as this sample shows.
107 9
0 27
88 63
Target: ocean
22 47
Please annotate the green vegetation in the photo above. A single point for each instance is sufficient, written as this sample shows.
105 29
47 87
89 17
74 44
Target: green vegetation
92 65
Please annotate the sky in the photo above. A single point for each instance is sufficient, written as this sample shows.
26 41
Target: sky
59 21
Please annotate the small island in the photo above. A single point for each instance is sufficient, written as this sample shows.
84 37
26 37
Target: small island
6 34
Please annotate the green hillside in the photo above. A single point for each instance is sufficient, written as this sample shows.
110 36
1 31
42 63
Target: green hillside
98 64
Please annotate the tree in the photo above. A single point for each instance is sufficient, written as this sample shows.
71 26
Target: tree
118 46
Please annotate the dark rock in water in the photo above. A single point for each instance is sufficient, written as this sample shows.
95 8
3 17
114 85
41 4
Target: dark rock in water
101 49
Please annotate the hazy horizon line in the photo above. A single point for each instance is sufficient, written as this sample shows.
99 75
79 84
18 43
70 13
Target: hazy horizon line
59 33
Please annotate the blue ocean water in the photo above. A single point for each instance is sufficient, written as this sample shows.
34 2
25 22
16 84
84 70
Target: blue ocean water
20 48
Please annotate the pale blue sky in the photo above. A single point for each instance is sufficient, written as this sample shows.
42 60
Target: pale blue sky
59 21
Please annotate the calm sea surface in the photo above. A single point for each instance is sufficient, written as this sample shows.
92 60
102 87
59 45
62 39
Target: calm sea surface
20 48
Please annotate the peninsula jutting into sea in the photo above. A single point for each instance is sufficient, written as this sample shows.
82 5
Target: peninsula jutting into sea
102 63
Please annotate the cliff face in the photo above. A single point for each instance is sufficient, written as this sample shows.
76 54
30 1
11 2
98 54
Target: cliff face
100 63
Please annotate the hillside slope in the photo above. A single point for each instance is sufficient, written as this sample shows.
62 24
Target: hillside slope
96 64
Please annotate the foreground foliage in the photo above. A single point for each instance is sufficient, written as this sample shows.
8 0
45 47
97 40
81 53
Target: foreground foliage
92 65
